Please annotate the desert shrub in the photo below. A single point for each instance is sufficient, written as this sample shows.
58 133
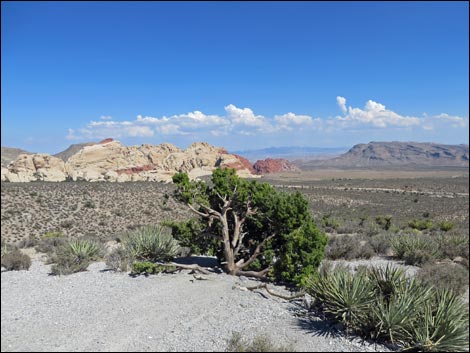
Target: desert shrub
380 243
119 259
445 226
445 276
260 231
329 223
346 227
89 204
342 295
453 245
74 256
194 235
15 260
29 242
147 267
384 221
415 249
348 247
151 243
50 243
420 224
260 343
385 305
442 325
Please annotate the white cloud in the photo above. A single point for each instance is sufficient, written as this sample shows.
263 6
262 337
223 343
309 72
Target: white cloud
106 117
342 103
243 121
373 114
244 116
291 118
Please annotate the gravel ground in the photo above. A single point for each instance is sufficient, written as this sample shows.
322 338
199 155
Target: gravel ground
101 310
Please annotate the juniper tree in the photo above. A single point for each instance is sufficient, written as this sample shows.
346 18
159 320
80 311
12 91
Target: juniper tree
261 231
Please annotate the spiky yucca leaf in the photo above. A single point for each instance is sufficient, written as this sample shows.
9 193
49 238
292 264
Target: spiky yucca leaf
443 326
151 243
343 295
83 249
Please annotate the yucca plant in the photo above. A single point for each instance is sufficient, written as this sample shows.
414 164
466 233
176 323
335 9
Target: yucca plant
396 314
414 249
151 243
83 249
443 325
345 296
387 281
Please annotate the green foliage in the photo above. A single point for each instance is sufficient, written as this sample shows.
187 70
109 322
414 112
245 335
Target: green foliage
151 243
83 249
384 221
384 305
420 224
442 325
446 225
453 245
260 343
194 235
147 267
74 256
15 260
342 295
328 221
415 249
293 245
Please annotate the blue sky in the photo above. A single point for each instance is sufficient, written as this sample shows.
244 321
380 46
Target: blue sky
243 75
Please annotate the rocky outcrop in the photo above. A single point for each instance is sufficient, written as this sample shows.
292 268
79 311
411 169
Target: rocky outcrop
31 167
109 160
277 165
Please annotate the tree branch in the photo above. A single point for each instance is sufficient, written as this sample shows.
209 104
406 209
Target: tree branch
257 251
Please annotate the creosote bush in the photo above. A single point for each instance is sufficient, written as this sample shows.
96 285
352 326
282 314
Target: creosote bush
15 260
384 305
260 343
74 256
448 275
348 247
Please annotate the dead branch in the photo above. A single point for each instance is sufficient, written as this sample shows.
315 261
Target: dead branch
187 267
265 286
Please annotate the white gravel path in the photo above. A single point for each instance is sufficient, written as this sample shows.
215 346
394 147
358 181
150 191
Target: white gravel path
105 311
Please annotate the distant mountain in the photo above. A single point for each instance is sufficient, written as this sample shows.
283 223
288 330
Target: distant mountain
292 152
396 154
10 154
69 152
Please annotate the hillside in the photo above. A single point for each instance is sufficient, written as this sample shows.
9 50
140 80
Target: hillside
396 154
10 154
71 150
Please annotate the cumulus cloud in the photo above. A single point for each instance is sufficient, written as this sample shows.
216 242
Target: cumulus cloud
373 114
341 103
243 121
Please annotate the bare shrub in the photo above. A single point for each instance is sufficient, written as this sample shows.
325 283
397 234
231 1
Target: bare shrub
15 260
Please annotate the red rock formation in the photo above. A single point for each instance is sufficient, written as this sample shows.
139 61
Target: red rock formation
246 163
134 170
105 141
270 165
